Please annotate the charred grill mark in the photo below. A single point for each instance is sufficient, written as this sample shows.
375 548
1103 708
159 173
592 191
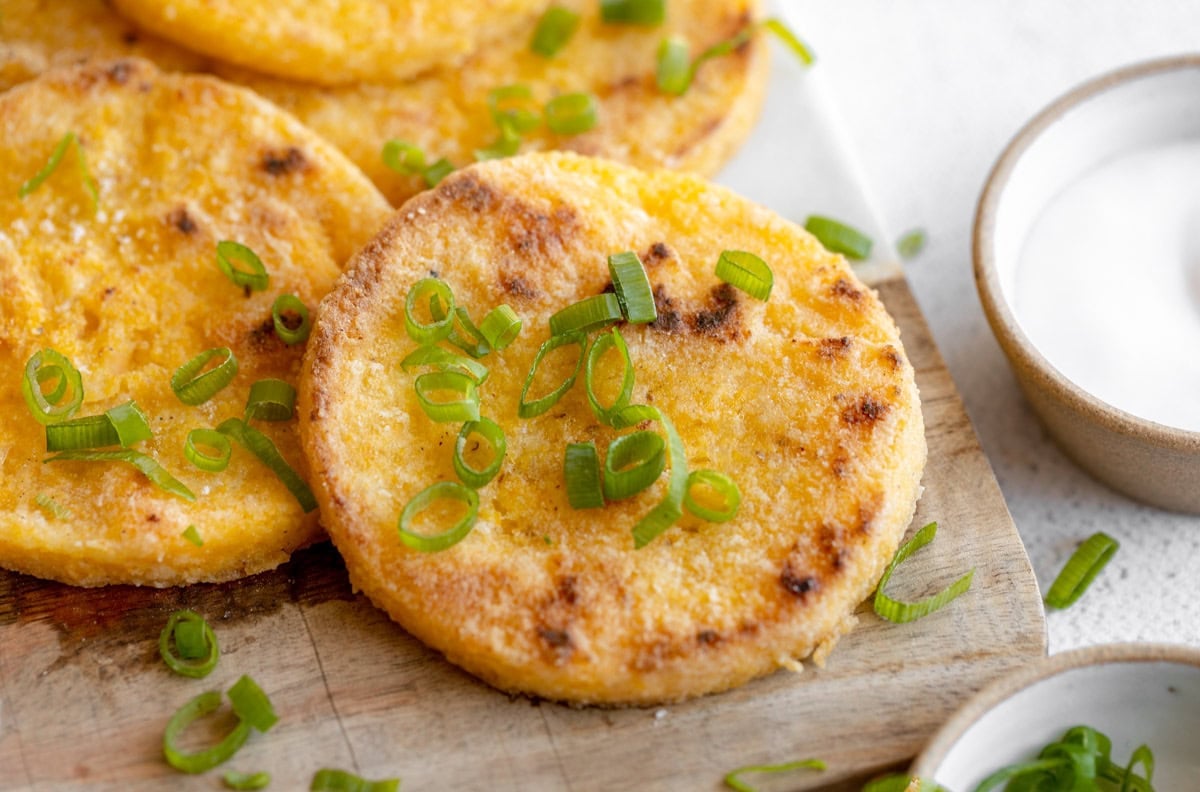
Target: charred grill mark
181 220
719 319
130 37
835 348
281 162
517 287
534 233
467 189
866 410
264 338
555 638
893 357
669 320
801 584
708 638
842 288
119 72
656 254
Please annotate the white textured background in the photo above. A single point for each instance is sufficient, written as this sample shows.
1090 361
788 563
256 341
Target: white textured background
931 91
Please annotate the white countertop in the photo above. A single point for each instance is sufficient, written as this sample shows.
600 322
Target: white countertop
930 92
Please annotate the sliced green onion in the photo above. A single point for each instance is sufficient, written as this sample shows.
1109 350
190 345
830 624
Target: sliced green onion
490 431
904 612
500 327
1081 569
507 145
632 287
531 409
670 508
192 387
441 360
212 463
244 781
85 174
441 325
439 170
91 431
270 400
53 507
603 343
633 12
590 313
553 31
911 244
839 237
52 407
130 423
723 485
198 649
674 71
633 462
899 782
56 158
261 446
463 408
192 535
518 120
572 114
200 761
403 157
747 272
581 471
790 40
290 303
252 705
733 781
1079 760
254 276
328 780
471 339
146 464
432 543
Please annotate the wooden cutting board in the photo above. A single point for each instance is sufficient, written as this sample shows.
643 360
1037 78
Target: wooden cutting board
84 696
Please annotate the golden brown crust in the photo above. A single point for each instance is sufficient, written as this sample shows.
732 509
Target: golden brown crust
130 290
806 400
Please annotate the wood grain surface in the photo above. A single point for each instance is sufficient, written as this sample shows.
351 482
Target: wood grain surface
84 696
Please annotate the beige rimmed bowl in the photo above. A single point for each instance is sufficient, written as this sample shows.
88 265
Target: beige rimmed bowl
1136 107
1134 693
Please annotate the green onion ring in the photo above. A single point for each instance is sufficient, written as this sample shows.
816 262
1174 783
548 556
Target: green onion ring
330 780
56 158
500 327
723 485
441 326
191 641
632 287
904 612
747 272
441 360
673 73
553 31
439 170
193 388
911 243
900 782
290 302
403 157
53 507
255 275
1081 569
531 409
471 340
146 464
246 781
507 145
453 535
670 508
490 431
91 431
633 12
572 113
48 408
517 120
130 423
200 761
600 345
251 704
270 400
185 665
633 462
838 237
464 408
211 463
192 535
733 781
590 313
262 447
581 471
790 40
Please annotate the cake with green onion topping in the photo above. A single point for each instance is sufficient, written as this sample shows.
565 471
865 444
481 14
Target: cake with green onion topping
519 506
124 335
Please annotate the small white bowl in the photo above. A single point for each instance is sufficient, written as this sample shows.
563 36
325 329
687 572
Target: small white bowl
1134 693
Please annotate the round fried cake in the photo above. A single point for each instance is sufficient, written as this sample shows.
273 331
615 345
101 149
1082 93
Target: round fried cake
807 401
128 289
334 41
445 111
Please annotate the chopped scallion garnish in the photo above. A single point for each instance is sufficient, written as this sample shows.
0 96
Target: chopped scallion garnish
633 462
262 447
432 543
254 275
674 71
193 536
911 243
632 287
465 407
903 612
56 158
553 31
192 387
670 508
590 313
441 360
437 171
733 780
198 440
675 74
285 304
252 705
246 781
603 343
572 113
442 321
530 409
839 237
500 327
200 761
900 782
408 159
510 106
270 400
146 464
723 486
1081 569
490 431
633 12
53 507
122 425
63 399
747 272
581 471
1078 760
329 780
130 424
195 641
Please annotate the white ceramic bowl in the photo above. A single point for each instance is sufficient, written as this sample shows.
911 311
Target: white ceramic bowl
1134 693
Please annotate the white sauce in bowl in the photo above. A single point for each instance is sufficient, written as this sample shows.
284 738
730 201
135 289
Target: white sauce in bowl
1107 285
